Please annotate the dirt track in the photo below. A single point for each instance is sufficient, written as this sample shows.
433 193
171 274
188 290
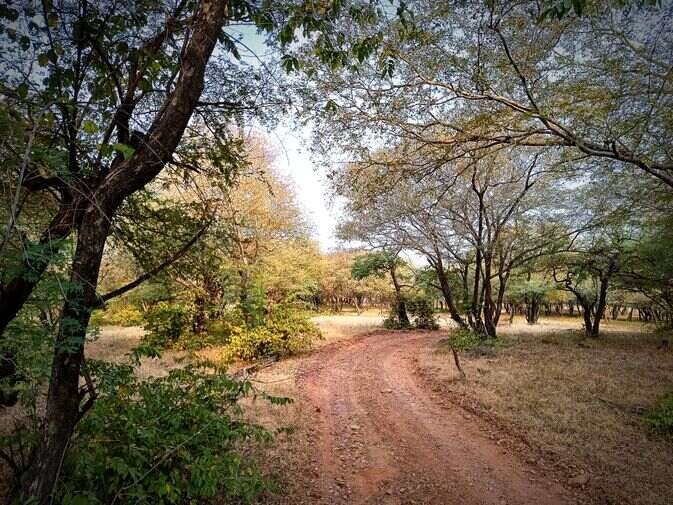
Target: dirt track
381 437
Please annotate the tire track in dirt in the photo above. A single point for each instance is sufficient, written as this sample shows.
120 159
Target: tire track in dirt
383 439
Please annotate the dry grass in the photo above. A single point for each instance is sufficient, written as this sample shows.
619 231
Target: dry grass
348 325
113 343
577 403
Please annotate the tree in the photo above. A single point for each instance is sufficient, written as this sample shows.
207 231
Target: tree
379 264
116 91
648 273
530 294
587 276
98 199
337 287
467 77
476 220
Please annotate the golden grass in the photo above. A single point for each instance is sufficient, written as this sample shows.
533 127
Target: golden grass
578 403
113 343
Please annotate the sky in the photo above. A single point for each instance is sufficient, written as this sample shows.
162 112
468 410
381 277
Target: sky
293 154
294 161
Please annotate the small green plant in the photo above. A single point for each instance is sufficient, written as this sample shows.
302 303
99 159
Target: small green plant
421 310
460 340
167 440
165 323
660 418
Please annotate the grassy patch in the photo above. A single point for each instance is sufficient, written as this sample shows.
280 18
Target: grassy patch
660 418
578 402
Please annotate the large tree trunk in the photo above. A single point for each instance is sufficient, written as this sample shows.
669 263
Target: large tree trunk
446 291
63 398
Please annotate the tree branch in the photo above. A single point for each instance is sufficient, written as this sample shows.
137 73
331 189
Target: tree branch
154 271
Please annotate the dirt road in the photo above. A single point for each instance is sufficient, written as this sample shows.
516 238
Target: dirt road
380 436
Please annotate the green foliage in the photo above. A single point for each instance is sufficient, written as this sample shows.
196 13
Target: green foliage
464 339
528 291
117 314
421 311
162 440
374 263
254 305
660 418
285 332
165 323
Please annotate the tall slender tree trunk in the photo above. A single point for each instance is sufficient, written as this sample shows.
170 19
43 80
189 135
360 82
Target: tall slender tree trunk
503 278
600 307
489 304
447 293
63 398
401 306
532 310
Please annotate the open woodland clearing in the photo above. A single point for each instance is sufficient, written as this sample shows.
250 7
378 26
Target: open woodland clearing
336 251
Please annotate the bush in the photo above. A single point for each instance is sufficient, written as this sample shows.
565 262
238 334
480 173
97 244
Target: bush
463 339
393 322
218 332
423 314
660 418
162 441
165 323
285 332
117 315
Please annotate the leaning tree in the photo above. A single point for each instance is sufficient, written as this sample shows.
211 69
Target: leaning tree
110 93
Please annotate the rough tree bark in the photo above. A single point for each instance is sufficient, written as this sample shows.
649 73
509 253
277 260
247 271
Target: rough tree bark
532 309
445 288
63 398
401 306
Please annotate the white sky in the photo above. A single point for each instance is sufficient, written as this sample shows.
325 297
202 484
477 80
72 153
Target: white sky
293 155
294 161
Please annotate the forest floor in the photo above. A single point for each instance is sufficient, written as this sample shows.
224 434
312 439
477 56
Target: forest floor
544 418
382 417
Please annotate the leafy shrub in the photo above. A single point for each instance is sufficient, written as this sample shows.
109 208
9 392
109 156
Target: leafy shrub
162 440
423 314
218 332
117 315
285 332
292 324
165 323
660 418
463 339
393 321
